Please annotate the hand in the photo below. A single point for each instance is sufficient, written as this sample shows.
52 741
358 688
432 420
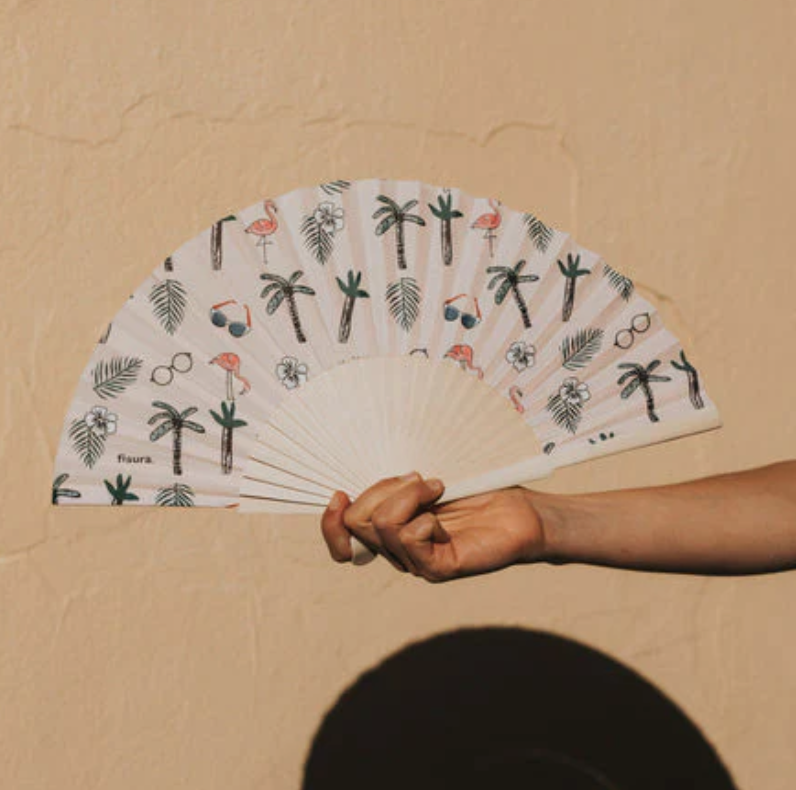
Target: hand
397 518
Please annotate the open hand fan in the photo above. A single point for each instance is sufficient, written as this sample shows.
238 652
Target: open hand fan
351 331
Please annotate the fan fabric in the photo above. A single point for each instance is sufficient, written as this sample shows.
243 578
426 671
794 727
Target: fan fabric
352 330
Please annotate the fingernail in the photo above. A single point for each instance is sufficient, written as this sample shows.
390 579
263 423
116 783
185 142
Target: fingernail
435 484
337 500
410 476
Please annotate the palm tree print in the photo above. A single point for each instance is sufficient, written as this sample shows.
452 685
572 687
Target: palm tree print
216 236
445 214
174 422
510 280
58 491
640 377
228 424
120 492
282 290
352 292
395 217
693 380
571 273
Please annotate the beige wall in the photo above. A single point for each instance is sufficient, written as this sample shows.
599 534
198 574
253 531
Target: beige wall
200 649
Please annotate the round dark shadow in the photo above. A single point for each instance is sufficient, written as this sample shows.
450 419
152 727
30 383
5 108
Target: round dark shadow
506 708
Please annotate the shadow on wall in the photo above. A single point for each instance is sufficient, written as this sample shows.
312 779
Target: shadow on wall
505 708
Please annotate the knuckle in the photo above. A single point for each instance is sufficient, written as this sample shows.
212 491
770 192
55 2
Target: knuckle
406 539
352 517
383 520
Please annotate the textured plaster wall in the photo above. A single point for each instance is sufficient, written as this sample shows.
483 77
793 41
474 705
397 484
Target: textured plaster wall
200 649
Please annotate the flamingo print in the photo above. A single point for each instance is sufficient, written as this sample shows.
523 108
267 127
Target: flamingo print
231 364
515 393
463 354
265 227
489 222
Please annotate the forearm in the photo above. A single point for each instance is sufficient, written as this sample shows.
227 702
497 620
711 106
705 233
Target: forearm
743 522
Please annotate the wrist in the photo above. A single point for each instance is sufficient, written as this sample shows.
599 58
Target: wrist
551 512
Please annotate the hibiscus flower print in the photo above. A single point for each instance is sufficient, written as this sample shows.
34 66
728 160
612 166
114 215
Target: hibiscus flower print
291 372
574 392
89 433
319 229
521 355
566 405
329 217
100 421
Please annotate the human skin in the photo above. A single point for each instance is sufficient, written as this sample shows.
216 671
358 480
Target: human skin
730 524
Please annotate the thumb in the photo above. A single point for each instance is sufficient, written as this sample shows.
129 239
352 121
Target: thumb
422 538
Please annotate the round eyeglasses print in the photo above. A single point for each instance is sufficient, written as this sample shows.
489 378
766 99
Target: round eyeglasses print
163 375
640 323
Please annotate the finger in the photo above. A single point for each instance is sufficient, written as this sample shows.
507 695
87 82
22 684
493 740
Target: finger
422 539
403 504
361 510
357 517
391 516
337 537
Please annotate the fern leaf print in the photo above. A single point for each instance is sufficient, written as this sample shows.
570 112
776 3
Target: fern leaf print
90 432
566 406
334 187
403 300
540 234
319 229
169 300
579 349
621 284
112 378
177 495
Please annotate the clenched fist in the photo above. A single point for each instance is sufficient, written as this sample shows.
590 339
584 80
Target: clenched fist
397 518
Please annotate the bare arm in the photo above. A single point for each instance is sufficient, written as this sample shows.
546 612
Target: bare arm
738 523
743 522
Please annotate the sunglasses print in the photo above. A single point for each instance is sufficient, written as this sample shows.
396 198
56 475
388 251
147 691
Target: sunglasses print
235 328
163 375
626 337
451 312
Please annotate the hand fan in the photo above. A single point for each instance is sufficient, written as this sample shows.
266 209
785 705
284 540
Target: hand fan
355 330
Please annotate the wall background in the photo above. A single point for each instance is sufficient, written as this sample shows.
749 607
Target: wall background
168 649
